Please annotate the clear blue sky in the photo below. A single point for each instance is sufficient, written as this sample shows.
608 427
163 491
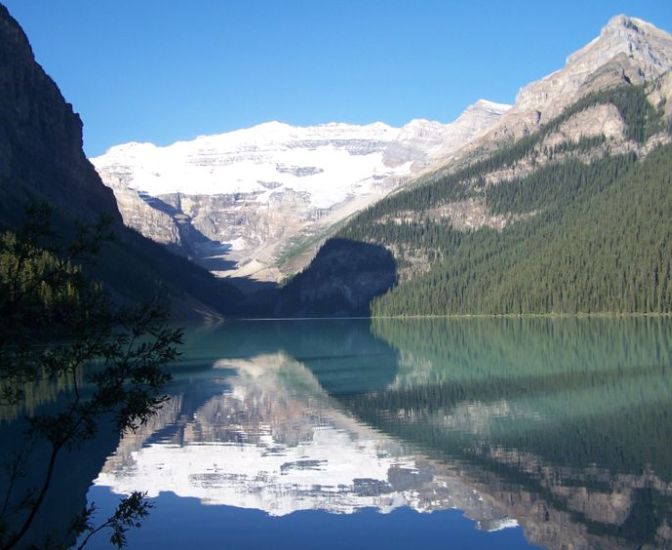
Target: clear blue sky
163 70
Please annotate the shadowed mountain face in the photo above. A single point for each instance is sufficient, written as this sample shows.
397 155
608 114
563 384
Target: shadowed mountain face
41 159
342 280
41 138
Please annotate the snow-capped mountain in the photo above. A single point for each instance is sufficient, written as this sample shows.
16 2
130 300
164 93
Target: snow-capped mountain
257 202
241 201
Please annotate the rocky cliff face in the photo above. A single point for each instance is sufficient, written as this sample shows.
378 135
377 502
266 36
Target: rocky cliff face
627 51
41 138
255 202
41 159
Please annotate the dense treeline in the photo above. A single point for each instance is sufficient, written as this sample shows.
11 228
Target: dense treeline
40 282
609 251
640 118
554 186
593 237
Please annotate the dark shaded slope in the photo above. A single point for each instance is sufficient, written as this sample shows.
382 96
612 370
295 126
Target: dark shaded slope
342 280
41 159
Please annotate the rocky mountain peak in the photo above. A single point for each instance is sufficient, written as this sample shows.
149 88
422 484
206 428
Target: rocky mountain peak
489 106
628 50
625 25
480 111
647 48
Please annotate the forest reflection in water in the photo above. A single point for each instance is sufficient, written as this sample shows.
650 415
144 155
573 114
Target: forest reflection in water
560 426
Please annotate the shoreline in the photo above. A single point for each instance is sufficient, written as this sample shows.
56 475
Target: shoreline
600 315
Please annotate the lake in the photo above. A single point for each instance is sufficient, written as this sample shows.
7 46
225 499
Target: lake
432 433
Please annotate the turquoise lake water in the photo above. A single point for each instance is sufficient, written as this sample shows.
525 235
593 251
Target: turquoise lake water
454 433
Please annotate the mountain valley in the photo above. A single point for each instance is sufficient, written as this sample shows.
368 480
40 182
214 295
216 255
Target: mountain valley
340 335
462 208
42 162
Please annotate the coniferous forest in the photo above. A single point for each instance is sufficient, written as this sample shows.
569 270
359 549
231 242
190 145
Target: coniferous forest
586 234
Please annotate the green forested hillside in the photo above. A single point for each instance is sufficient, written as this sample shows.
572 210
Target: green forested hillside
597 237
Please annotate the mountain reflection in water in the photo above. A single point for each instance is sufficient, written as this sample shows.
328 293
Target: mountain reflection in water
273 440
561 426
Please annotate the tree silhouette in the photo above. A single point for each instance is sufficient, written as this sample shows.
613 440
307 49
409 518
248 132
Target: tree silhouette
58 326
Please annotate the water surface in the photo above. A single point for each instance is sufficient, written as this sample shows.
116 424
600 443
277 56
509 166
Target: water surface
471 433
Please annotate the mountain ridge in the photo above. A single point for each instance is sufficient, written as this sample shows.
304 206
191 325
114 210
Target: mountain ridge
502 227
622 47
312 177
233 236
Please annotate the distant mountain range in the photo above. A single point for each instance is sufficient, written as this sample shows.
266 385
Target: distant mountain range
256 202
559 203
468 211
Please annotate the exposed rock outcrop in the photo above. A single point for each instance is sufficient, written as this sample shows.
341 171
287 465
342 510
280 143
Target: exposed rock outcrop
628 50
